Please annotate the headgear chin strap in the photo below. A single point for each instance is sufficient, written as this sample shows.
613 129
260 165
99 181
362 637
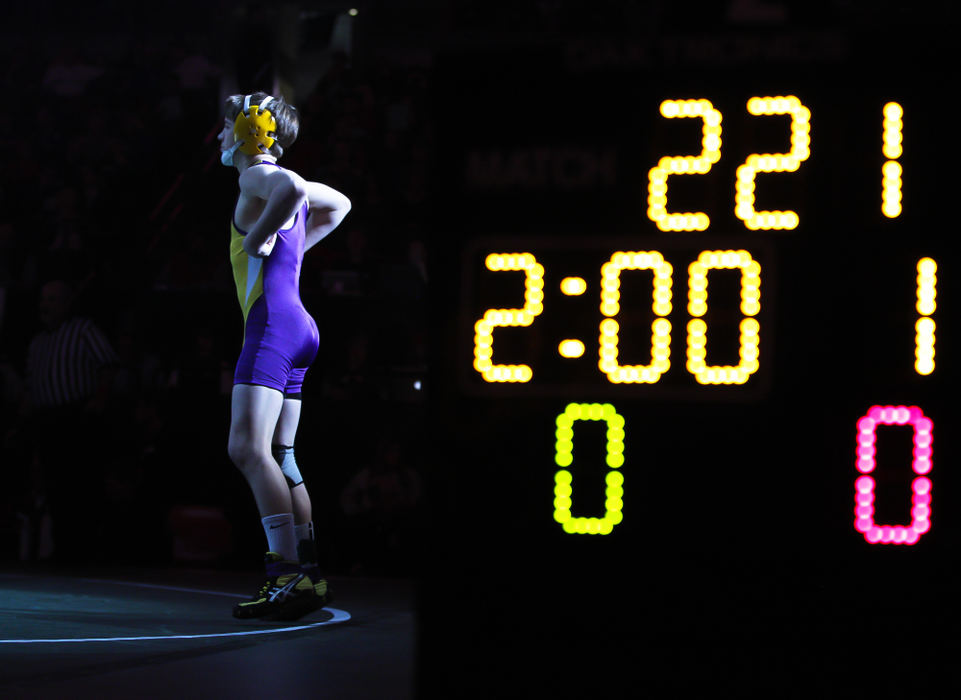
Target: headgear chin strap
253 128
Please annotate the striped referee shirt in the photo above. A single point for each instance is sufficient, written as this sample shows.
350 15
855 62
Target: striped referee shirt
63 365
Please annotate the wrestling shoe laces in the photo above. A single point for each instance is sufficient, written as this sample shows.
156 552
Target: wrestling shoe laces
287 594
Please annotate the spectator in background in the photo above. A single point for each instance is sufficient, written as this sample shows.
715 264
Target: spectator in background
69 73
196 75
63 208
350 375
67 361
381 503
67 382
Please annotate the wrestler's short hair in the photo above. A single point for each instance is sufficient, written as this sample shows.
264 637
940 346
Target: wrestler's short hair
286 116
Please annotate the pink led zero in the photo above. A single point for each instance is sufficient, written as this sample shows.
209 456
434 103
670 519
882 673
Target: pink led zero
920 487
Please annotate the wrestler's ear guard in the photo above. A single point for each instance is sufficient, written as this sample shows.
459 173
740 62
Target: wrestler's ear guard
253 128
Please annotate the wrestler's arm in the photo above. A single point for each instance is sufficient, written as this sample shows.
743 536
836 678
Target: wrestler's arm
328 207
284 193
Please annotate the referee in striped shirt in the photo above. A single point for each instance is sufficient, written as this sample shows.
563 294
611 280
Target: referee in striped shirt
70 365
68 362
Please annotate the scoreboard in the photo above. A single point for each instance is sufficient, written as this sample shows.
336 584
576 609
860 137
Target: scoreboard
694 329
697 316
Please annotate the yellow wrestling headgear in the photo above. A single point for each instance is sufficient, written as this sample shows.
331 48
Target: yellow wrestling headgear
253 128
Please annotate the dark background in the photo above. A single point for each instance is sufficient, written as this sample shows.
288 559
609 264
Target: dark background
736 568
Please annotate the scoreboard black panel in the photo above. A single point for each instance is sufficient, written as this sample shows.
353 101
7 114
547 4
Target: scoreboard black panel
694 367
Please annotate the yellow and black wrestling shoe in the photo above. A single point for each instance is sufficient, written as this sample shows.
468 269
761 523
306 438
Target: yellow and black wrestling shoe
307 553
287 594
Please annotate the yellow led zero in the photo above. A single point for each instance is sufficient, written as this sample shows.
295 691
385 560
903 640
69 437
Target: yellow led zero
925 326
773 162
493 318
893 125
660 327
749 326
684 165
564 479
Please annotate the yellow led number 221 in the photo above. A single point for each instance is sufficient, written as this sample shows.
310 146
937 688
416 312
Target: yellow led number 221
746 172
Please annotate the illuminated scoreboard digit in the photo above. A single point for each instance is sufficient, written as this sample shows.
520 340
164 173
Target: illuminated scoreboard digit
595 315
687 312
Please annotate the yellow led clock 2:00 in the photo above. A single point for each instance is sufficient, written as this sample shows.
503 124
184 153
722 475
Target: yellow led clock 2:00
609 330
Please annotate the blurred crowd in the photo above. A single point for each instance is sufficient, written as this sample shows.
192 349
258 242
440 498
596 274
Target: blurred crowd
116 292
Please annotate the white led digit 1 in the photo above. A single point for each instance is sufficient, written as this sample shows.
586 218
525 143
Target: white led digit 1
749 326
924 328
684 165
893 125
920 486
660 328
484 328
773 162
564 480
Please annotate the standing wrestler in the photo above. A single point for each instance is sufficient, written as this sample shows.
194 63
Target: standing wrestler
278 216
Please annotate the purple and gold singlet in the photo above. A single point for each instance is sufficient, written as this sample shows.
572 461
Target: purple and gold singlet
280 337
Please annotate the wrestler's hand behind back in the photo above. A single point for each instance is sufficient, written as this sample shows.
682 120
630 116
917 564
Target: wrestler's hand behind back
268 246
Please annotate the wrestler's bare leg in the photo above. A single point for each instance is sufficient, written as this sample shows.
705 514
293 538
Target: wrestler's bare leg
254 414
284 434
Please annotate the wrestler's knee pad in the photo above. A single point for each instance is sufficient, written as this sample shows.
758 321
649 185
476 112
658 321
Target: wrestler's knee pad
284 455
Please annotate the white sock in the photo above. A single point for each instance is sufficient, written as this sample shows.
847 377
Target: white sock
279 529
304 531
